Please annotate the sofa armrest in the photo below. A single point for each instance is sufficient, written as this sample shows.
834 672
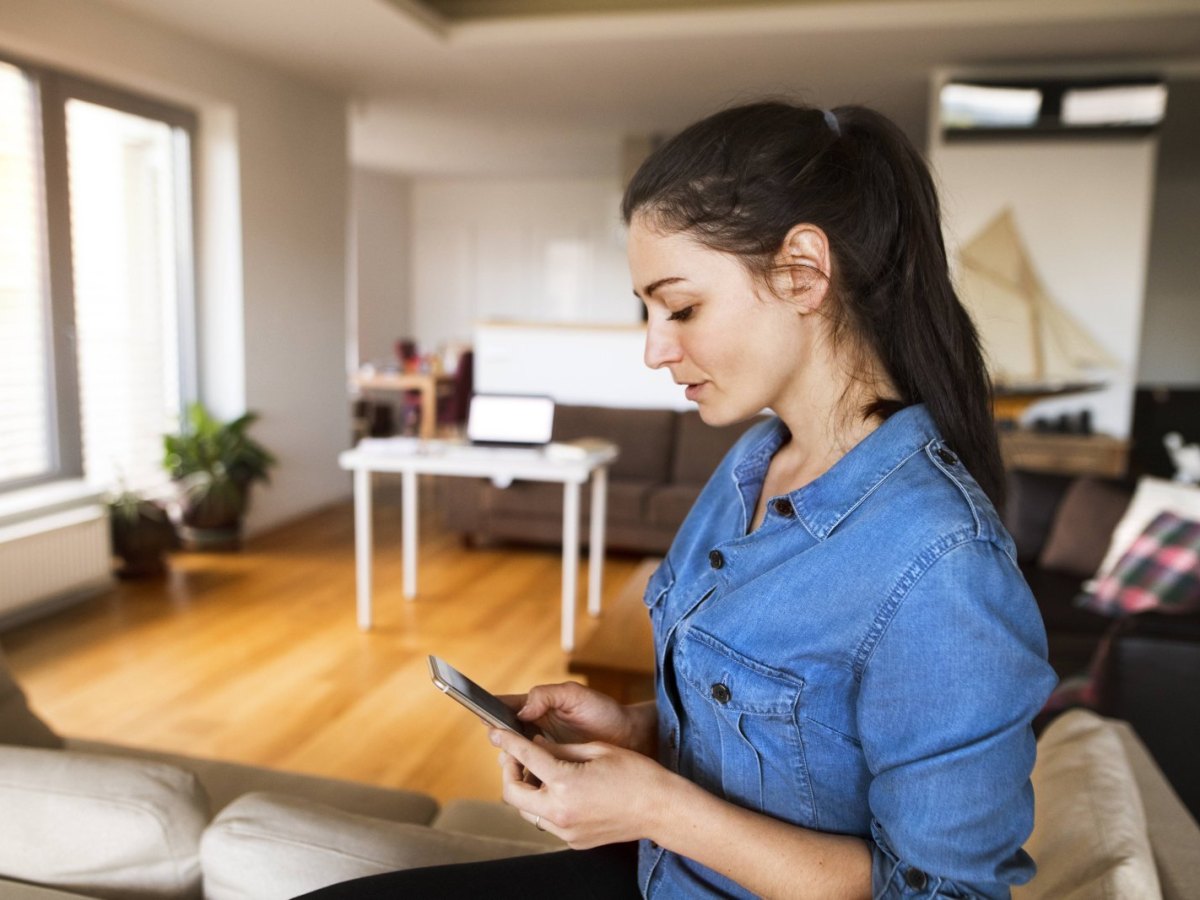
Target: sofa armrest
103 826
265 846
18 890
1174 834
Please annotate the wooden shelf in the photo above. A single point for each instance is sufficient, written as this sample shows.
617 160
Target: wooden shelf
1065 454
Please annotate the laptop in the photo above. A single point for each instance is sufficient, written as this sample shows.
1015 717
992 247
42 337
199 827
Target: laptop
510 420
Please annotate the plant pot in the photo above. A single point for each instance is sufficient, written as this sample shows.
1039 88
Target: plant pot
211 539
210 516
142 535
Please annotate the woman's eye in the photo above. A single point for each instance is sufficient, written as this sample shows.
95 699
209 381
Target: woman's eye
680 315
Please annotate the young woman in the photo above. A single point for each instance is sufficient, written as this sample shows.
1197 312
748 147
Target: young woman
848 658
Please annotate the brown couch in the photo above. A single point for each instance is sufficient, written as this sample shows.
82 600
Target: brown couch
666 457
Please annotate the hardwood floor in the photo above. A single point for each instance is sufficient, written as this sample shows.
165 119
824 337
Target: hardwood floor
255 656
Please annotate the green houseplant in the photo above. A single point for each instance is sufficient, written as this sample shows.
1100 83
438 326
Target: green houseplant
214 463
142 534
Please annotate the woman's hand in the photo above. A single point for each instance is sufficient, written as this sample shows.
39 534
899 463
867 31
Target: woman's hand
587 794
569 713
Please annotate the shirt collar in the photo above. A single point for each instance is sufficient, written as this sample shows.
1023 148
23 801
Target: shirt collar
823 503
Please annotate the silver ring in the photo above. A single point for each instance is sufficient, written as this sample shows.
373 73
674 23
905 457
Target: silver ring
537 823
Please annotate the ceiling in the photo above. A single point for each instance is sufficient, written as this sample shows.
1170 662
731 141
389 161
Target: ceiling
551 87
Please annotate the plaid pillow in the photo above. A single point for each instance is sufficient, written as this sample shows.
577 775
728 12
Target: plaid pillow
1160 571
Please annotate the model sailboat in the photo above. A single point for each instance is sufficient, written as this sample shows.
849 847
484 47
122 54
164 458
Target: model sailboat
1034 348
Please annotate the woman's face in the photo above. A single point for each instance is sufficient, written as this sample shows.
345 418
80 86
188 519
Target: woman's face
735 347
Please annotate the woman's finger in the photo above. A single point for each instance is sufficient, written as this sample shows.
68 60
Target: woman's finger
578 752
534 757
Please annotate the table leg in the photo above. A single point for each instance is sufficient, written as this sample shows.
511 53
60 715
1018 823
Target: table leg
428 428
408 528
570 562
362 545
596 538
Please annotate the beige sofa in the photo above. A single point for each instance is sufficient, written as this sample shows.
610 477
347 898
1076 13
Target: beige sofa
91 820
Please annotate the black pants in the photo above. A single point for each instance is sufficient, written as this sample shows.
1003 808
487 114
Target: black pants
604 873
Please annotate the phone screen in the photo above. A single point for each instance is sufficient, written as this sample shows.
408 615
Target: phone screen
453 682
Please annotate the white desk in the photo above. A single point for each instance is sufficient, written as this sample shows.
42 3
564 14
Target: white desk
502 465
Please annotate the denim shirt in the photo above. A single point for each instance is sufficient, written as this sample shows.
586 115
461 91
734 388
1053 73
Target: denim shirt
867 662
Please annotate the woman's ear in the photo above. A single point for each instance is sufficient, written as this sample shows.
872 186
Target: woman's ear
804 259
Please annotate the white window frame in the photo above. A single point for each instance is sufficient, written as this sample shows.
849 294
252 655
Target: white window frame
52 89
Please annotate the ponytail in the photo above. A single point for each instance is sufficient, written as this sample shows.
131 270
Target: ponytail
739 180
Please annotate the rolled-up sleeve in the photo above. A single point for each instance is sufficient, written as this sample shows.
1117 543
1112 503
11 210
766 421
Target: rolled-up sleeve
948 690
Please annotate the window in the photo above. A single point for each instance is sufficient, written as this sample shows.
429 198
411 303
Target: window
96 301
26 452
1053 108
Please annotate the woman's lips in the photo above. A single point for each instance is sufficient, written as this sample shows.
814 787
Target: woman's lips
693 390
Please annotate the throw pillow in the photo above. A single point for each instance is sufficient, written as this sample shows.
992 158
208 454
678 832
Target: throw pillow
102 826
1089 835
1160 571
1083 525
1153 495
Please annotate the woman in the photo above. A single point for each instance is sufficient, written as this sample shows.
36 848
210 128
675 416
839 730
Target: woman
848 658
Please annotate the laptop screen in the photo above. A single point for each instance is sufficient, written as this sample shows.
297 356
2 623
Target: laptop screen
510 419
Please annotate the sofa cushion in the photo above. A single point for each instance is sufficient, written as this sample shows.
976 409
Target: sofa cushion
497 820
1083 526
1153 495
266 846
1090 835
1033 501
626 500
1160 571
102 826
643 435
18 724
225 781
669 505
699 448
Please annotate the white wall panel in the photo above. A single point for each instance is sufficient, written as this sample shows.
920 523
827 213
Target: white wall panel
527 250
1083 209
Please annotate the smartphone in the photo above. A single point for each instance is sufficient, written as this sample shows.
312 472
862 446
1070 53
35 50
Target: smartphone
450 681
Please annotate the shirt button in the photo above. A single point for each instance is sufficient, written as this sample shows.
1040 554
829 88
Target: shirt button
916 879
784 508
721 693
716 559
946 456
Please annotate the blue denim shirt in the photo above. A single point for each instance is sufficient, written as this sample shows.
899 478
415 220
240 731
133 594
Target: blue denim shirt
867 662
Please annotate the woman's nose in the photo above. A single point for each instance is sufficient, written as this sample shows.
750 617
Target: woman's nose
661 347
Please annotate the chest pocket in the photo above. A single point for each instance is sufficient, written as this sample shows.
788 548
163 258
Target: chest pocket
744 738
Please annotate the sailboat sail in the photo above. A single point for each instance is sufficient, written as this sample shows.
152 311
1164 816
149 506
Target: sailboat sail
1031 343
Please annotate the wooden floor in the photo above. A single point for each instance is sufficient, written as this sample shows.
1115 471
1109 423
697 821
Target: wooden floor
255 656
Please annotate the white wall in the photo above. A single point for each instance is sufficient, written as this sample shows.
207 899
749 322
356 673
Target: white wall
382 238
1171 331
592 366
273 206
1083 209
529 250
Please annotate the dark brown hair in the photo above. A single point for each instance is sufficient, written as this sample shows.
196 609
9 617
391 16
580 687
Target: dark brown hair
739 181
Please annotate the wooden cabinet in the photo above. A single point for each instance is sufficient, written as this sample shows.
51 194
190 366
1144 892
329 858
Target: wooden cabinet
1065 454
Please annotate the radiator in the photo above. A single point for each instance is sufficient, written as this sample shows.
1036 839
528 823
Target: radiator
54 557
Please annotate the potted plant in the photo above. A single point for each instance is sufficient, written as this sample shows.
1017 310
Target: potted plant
142 534
214 463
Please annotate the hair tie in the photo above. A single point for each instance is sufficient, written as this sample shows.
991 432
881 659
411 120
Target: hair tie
832 122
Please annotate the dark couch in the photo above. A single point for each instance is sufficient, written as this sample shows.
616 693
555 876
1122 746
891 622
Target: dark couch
666 457
1142 668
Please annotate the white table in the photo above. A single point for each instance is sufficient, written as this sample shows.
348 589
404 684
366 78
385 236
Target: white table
570 464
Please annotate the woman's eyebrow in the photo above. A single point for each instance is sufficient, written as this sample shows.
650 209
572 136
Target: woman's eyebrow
648 290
